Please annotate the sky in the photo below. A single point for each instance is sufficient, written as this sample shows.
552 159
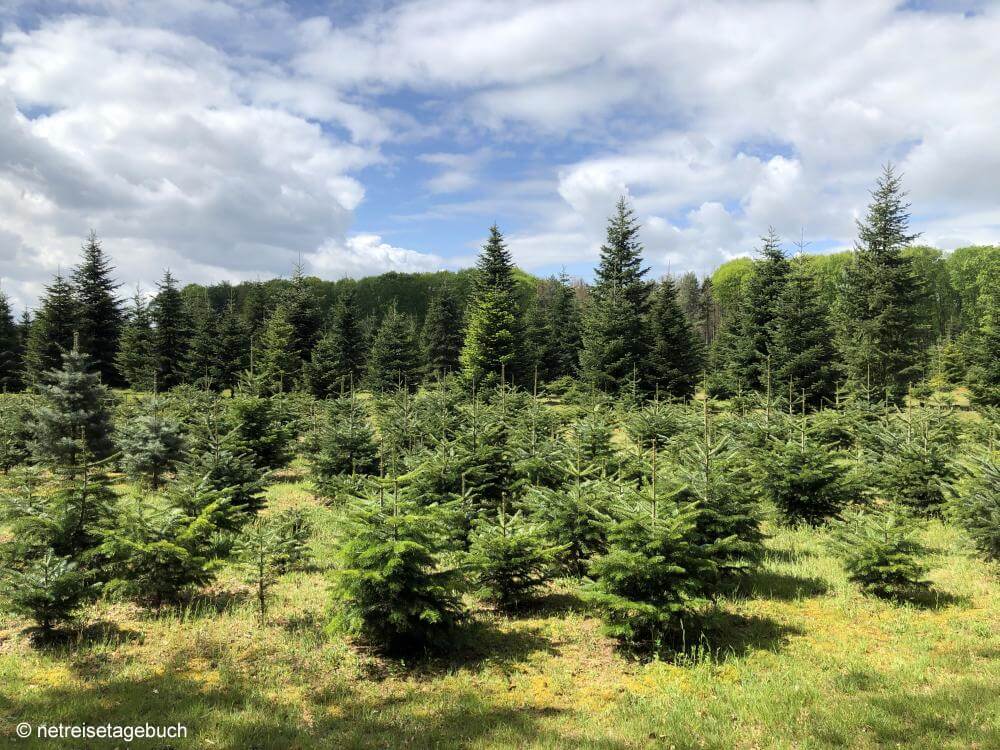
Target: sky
232 139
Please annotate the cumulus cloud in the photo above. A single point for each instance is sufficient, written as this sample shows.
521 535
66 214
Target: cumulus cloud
366 254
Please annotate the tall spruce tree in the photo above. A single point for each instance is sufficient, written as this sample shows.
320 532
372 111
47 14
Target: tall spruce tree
52 330
10 349
172 333
394 360
233 346
136 359
442 334
99 312
278 363
877 306
305 316
553 329
614 348
494 337
676 354
802 350
203 359
985 372
742 351
338 358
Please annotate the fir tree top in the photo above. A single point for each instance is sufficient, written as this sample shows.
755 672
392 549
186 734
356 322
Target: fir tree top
884 229
621 265
495 267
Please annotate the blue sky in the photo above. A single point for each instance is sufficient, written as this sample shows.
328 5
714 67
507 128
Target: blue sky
227 139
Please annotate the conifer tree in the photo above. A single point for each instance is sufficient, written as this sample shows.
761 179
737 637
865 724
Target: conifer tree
675 353
977 506
222 461
394 360
260 550
136 359
392 588
511 558
156 553
99 312
741 352
233 346
305 316
442 334
881 552
688 297
10 349
553 330
16 428
51 332
708 312
494 335
202 367
50 589
338 358
258 430
172 332
653 573
277 362
802 350
150 444
345 443
73 422
804 479
877 306
614 348
985 355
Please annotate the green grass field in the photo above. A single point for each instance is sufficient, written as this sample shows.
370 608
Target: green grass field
797 659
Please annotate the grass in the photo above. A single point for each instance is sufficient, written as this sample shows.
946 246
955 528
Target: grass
796 658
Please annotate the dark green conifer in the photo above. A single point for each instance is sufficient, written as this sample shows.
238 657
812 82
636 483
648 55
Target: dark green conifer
99 314
394 360
877 307
172 333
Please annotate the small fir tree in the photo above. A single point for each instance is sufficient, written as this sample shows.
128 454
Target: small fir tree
392 587
881 552
150 445
512 560
345 444
977 506
49 590
72 420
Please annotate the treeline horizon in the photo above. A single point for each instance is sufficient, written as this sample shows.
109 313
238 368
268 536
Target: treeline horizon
883 317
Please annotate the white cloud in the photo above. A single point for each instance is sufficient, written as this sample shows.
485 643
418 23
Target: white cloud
366 254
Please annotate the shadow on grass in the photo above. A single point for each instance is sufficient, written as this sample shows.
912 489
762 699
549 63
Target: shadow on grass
930 599
240 712
962 714
481 643
556 603
103 633
724 635
768 584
